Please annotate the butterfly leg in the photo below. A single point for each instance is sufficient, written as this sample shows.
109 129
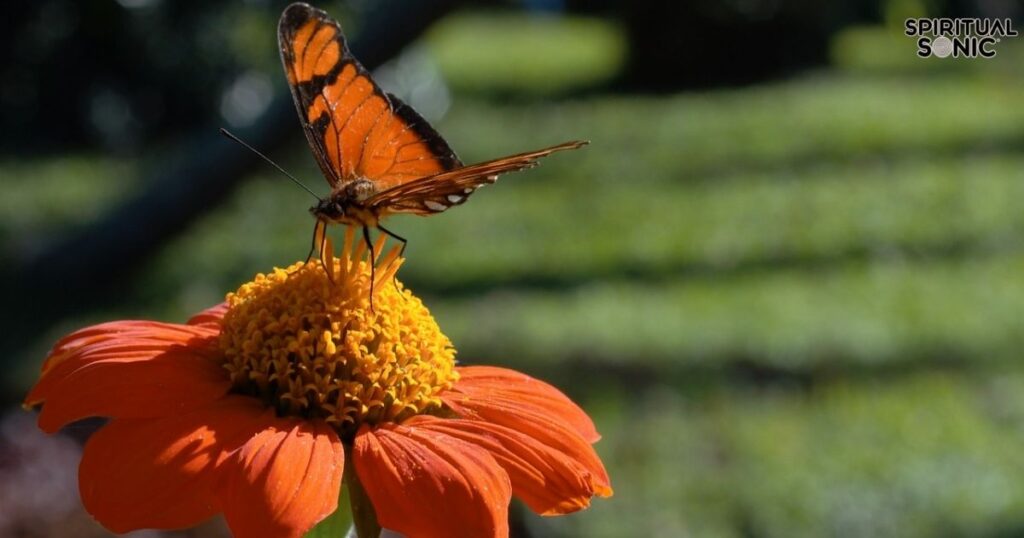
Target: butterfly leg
401 251
319 235
328 268
373 262
400 239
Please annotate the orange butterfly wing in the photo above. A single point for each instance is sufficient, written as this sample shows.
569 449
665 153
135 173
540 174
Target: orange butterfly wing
436 193
353 127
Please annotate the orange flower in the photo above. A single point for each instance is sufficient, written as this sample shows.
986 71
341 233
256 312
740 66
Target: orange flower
256 407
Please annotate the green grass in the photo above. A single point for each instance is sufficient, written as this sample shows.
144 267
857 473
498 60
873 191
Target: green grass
539 54
933 455
707 135
859 315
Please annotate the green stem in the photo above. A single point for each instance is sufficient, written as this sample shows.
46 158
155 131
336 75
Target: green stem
364 517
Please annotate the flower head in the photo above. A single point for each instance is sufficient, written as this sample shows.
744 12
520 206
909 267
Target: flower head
311 347
256 407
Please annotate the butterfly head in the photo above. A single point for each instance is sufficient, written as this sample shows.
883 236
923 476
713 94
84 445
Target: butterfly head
329 209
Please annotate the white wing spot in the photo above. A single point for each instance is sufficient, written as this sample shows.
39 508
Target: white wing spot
435 206
454 198
468 190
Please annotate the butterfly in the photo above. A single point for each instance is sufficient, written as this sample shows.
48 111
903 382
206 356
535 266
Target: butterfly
379 156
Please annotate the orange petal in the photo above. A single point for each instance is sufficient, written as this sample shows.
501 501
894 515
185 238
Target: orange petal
113 331
427 484
506 387
162 473
284 480
129 369
497 407
548 481
210 317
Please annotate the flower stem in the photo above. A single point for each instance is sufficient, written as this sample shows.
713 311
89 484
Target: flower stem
364 516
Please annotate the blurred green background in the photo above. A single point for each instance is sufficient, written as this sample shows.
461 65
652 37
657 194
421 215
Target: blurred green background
793 305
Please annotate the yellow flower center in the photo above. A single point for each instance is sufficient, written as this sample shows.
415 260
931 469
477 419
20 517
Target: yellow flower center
314 348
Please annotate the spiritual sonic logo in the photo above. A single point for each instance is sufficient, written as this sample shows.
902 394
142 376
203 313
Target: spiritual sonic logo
958 38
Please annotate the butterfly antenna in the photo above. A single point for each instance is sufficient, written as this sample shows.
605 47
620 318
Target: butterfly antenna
228 134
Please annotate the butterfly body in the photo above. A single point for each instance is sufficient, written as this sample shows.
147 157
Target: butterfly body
346 205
